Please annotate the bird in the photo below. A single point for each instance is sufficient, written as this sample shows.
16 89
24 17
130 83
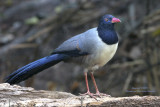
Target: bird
91 49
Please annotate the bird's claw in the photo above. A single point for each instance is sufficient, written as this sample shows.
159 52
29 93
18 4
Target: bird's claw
90 94
97 94
101 94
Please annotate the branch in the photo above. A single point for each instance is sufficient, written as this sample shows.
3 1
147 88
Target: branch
25 96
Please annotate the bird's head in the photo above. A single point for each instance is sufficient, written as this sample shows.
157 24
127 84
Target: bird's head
108 21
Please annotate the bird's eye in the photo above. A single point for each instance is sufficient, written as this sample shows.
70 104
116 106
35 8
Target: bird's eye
106 20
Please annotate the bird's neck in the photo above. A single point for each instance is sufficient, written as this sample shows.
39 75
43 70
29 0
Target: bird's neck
107 34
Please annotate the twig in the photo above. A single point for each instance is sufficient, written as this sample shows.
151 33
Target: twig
127 64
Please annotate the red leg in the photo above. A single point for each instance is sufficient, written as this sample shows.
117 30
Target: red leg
95 85
88 91
86 80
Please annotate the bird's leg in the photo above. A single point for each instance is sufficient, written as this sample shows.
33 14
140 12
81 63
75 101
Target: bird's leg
88 91
86 80
95 85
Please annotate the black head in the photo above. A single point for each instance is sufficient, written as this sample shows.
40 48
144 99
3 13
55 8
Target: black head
106 29
107 21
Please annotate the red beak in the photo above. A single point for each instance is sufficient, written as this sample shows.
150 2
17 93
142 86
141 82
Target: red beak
115 20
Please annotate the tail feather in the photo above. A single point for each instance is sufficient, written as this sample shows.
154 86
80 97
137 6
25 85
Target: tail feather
33 68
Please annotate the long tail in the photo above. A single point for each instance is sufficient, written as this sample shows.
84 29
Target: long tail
35 67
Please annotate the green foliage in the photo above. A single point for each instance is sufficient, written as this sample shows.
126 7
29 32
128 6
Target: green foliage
156 32
32 21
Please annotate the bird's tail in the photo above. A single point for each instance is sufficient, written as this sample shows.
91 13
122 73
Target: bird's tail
34 67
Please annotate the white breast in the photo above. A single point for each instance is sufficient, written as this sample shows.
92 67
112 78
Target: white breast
105 53
102 54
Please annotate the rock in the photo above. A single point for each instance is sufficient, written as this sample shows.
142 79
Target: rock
17 96
6 38
135 53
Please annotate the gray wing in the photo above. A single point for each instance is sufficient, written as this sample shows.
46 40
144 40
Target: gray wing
82 44
72 47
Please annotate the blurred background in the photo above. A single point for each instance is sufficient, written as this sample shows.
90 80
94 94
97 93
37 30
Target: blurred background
31 29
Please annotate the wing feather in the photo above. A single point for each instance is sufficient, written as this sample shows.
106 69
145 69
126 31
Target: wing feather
71 47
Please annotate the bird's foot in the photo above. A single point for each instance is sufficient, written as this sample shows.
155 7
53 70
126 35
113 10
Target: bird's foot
97 94
101 94
90 94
